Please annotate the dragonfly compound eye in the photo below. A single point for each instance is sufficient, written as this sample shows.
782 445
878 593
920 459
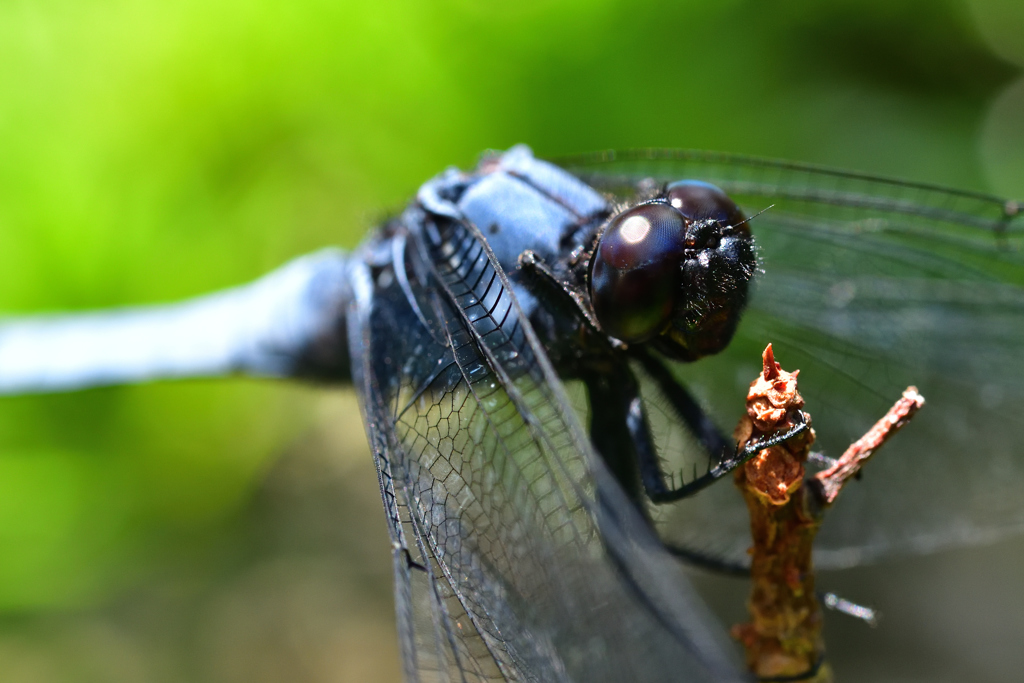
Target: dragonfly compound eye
636 271
704 204
675 271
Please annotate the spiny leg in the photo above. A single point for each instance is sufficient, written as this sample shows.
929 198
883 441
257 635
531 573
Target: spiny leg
621 434
723 454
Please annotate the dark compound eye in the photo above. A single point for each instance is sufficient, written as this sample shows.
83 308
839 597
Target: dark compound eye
674 272
703 203
636 270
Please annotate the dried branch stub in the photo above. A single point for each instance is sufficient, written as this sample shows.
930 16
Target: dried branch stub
783 639
830 482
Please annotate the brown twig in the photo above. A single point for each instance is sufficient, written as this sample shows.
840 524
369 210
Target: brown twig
829 482
783 639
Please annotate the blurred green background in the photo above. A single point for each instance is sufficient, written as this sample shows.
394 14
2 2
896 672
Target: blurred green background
232 531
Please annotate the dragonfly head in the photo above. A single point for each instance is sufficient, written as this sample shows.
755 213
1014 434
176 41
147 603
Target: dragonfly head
673 271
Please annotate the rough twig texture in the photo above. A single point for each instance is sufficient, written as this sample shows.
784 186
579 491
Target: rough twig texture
829 482
783 639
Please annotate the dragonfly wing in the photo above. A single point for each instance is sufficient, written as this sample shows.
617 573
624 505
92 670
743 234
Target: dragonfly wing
869 286
284 324
534 565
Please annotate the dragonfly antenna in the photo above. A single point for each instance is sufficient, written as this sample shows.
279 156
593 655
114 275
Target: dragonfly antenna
747 220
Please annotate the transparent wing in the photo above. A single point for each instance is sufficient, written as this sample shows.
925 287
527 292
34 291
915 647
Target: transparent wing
284 324
868 286
532 566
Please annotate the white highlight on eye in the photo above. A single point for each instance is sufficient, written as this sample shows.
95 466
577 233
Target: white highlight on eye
634 229
677 202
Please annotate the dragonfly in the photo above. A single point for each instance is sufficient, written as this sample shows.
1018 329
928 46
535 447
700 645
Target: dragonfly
549 357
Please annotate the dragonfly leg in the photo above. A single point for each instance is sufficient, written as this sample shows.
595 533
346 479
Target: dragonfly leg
708 561
699 423
621 434
610 395
561 295
724 456
690 413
